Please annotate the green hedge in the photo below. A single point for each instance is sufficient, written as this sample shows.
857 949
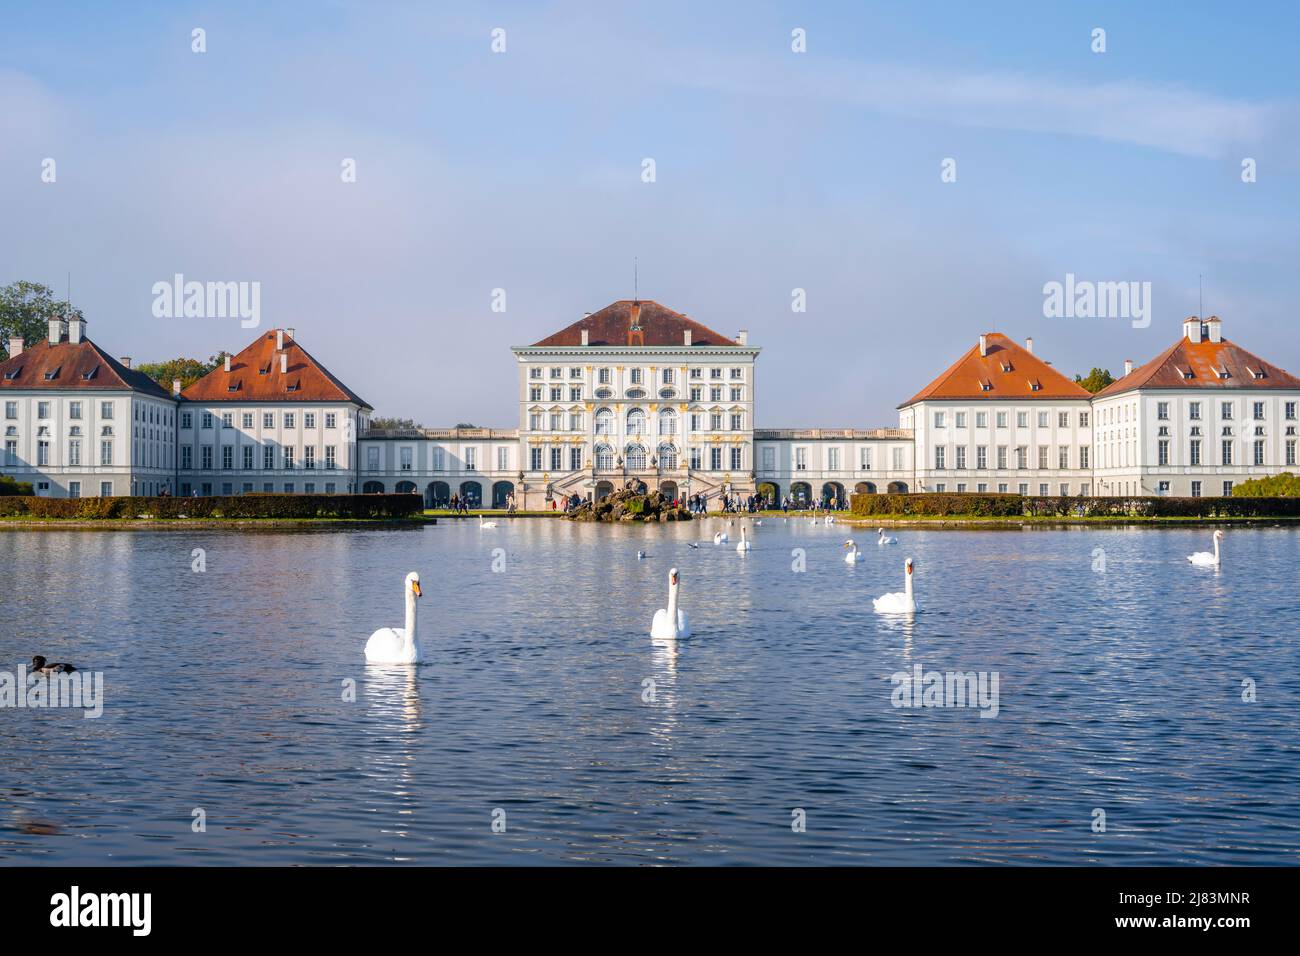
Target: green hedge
239 506
1285 485
1010 506
10 486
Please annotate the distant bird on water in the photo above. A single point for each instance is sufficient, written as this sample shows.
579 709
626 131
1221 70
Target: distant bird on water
39 664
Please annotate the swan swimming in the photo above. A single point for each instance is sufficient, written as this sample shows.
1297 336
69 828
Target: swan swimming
670 623
898 602
830 519
743 545
720 537
399 645
1204 559
883 539
484 525
854 555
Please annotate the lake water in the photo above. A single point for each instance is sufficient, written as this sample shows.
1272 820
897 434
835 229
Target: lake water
1119 691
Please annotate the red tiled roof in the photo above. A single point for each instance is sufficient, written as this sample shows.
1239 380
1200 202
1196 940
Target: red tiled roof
255 376
613 326
1204 360
986 377
69 365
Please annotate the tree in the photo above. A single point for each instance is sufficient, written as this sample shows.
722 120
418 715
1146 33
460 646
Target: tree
395 424
25 311
1285 485
188 370
1095 380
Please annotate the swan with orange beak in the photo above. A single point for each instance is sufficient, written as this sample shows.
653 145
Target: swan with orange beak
399 645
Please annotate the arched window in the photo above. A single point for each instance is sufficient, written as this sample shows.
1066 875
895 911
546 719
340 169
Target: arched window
635 457
636 422
604 422
604 457
667 422
667 456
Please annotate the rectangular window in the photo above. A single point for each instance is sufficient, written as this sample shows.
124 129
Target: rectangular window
959 419
575 459
471 459
106 412
1290 411
206 421
1258 411
1022 457
207 457
1225 411
74 451
769 458
1083 423
308 419
187 457
1259 451
1043 452
74 410
715 457
1194 458
227 457
737 422
1084 455
268 419
1023 488
939 420
309 457
981 419
42 409
405 458
1063 457
226 419
1001 419
981 457
896 458
1065 489
1290 451
1002 456
1196 489
1043 419
939 452
287 455
1162 411
11 452
697 460
832 459
735 457
289 420
1062 419
1227 451
1227 489
1194 411
800 459
268 457
864 458
331 458
248 458
961 457
105 489
1003 487
1162 451
1043 490
1022 419
74 489
1162 487
11 410
331 420
535 458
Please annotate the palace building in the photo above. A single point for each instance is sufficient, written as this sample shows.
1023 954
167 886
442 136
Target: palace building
640 392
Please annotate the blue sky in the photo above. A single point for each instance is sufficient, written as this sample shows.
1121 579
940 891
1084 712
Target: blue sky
775 171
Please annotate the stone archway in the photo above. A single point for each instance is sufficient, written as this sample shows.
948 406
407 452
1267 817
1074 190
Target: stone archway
471 492
668 489
405 488
771 491
832 494
898 487
604 488
500 491
865 488
372 488
437 495
801 494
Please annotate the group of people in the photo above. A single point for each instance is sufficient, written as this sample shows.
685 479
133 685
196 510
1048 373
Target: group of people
460 504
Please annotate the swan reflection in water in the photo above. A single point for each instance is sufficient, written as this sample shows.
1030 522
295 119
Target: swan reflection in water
394 718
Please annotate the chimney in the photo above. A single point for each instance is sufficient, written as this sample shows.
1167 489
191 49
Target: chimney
176 386
1029 345
279 340
1192 328
1214 326
585 336
284 363
76 329
15 347
56 330
742 338
126 361
227 361
289 332
1128 367
984 345
686 337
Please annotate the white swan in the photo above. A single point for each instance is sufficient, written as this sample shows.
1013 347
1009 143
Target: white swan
670 623
757 522
1204 559
743 545
854 555
720 537
830 519
898 602
484 525
883 539
398 645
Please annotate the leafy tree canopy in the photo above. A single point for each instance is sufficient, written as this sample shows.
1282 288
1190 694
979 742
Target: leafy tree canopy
395 424
26 309
188 370
1285 485
1095 380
